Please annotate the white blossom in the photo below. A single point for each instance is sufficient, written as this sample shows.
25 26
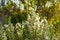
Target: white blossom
48 4
21 6
6 25
31 9
18 24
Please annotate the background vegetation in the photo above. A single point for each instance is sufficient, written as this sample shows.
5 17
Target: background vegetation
30 20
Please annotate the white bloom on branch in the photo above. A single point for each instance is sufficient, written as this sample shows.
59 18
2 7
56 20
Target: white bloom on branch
6 25
18 24
26 1
31 9
21 6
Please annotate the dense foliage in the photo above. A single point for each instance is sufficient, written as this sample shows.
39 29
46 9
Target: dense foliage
30 20
32 29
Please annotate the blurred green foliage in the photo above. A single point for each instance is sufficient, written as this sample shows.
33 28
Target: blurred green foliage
48 9
28 30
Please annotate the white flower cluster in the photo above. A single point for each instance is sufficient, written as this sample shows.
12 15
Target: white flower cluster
33 22
21 6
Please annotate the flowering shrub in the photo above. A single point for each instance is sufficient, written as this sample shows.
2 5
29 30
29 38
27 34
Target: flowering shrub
33 28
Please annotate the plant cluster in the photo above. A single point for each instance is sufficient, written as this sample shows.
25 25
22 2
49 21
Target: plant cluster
33 28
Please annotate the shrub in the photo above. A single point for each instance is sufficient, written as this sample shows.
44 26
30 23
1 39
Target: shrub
33 28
